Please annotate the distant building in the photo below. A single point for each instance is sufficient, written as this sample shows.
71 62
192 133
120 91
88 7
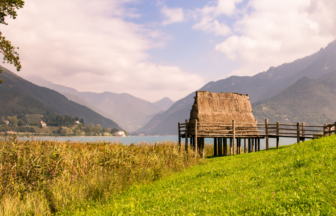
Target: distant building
43 124
77 122
6 122
120 134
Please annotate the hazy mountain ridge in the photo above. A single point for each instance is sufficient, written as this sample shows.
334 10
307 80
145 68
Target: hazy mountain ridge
261 86
42 99
130 112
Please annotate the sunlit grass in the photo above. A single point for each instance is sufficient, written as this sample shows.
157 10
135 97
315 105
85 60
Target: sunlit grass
294 180
46 177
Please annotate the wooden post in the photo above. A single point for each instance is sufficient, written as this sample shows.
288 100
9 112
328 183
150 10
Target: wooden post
234 137
303 131
278 135
186 135
215 147
239 145
245 147
203 147
335 128
231 146
220 146
266 131
259 144
298 132
196 138
253 149
248 145
179 136
225 146
330 125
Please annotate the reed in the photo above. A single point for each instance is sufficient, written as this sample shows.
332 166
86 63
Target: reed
46 177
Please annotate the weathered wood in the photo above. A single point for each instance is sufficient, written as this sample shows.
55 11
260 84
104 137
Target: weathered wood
298 132
253 145
195 137
266 132
179 136
186 135
303 131
225 147
231 142
203 148
278 138
234 136
220 146
215 147
245 147
259 144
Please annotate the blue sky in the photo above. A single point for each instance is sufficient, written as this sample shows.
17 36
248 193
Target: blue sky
154 48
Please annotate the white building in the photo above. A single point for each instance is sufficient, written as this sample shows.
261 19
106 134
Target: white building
120 134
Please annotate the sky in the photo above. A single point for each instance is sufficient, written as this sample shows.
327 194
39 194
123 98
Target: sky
155 48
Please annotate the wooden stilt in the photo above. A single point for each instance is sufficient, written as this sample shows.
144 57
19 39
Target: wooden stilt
215 147
186 135
179 136
298 132
225 147
245 147
196 143
253 145
231 142
220 146
259 144
278 137
234 137
266 132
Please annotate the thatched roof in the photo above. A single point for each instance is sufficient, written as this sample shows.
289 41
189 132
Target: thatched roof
221 109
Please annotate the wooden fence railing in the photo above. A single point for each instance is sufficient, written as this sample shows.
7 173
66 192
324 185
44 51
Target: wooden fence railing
259 131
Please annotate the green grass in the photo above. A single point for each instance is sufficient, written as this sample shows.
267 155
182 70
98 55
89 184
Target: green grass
294 180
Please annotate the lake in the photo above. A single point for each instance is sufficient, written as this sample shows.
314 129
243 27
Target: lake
149 139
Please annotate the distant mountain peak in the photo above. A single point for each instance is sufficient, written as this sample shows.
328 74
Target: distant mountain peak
164 103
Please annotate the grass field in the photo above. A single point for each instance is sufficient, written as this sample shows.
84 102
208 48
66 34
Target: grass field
48 177
294 180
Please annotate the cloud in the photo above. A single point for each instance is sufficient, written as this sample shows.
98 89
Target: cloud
275 32
172 15
207 15
88 45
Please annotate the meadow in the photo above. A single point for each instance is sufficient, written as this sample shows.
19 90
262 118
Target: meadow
294 180
49 177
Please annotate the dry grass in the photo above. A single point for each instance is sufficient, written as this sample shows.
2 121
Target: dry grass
46 177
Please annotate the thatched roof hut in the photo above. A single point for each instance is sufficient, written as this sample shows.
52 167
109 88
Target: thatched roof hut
219 109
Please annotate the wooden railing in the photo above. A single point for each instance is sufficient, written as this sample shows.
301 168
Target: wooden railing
238 130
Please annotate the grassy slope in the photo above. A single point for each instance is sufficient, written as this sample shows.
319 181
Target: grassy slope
293 180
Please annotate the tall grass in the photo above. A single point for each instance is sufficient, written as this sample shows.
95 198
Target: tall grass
46 177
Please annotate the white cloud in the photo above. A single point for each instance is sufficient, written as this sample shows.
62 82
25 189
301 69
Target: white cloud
88 45
207 17
275 32
172 15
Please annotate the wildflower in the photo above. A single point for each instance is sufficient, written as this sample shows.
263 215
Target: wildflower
273 192
273 197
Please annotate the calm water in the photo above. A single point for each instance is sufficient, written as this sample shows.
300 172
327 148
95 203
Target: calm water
150 139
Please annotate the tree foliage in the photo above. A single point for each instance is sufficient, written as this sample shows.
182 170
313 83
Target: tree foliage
8 8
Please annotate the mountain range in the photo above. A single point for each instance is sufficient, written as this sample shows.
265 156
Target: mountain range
260 87
130 112
19 96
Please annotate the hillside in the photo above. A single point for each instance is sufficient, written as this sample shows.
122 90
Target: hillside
260 87
309 101
20 96
164 103
293 180
130 112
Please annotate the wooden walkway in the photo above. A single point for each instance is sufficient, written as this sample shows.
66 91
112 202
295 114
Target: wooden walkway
248 134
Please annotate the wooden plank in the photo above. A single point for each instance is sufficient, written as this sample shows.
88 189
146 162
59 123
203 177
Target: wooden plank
266 132
298 132
321 126
196 138
234 137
